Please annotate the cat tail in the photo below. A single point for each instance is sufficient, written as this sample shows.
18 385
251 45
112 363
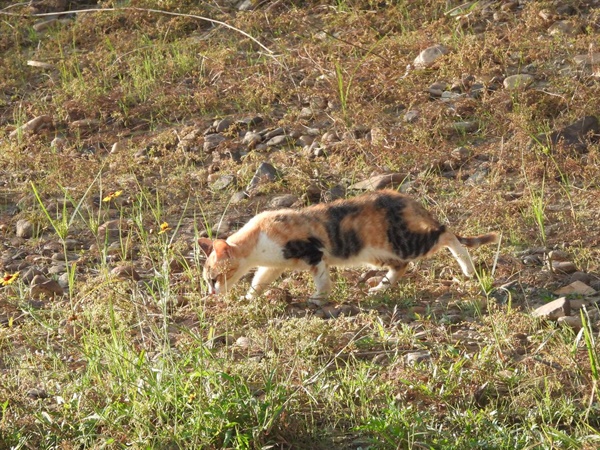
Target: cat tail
476 241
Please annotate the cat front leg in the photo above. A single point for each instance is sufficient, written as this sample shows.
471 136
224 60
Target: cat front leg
395 271
262 278
320 274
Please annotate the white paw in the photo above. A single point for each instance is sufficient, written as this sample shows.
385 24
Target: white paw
379 288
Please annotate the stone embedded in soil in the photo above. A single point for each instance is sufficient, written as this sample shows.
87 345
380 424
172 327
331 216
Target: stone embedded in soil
25 229
252 139
223 125
518 81
552 311
265 173
110 231
33 126
238 197
411 116
42 287
388 180
429 56
564 267
572 321
465 126
126 271
566 27
212 141
575 135
223 182
282 201
575 288
589 59
278 140
270 134
419 357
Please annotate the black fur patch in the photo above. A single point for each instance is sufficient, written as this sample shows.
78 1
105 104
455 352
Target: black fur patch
406 244
308 250
344 243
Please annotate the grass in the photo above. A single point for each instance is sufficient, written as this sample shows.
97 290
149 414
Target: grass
156 363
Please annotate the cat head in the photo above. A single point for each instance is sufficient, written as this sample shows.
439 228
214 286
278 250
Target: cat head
222 266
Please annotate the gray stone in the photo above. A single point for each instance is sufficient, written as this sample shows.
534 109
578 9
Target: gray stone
212 141
25 229
380 182
33 126
306 113
43 287
573 322
265 173
411 116
575 288
275 132
518 81
283 201
589 59
575 135
251 139
429 56
223 182
419 357
278 140
223 125
465 126
552 311
238 197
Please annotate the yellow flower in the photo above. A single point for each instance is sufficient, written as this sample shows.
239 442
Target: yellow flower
164 227
112 196
9 279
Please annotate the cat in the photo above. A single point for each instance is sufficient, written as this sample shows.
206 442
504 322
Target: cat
382 229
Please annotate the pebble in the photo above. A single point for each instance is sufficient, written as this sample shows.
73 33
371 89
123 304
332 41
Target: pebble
465 126
575 288
33 126
265 173
419 357
572 321
25 229
588 59
388 180
44 287
270 134
566 27
518 82
222 125
223 182
278 140
411 116
118 147
282 201
564 267
306 113
127 272
212 141
429 56
252 139
553 310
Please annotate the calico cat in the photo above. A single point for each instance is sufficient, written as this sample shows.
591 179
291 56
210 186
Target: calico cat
382 229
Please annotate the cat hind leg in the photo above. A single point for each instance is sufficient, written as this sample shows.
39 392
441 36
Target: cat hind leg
394 273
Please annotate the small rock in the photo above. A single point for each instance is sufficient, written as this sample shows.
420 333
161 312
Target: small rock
414 358
277 140
265 172
518 82
558 308
223 125
127 272
566 27
64 280
212 141
429 56
306 113
576 288
411 116
223 182
388 180
118 147
279 131
589 59
246 5
305 140
32 126
564 267
110 231
572 321
465 126
574 135
238 197
581 276
330 137
252 139
29 274
25 229
59 143
460 154
282 201
43 287
84 124
242 342
37 393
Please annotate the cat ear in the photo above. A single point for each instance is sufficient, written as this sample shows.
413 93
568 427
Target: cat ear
222 248
206 245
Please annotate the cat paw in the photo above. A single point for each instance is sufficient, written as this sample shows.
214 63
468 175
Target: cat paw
318 299
379 288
